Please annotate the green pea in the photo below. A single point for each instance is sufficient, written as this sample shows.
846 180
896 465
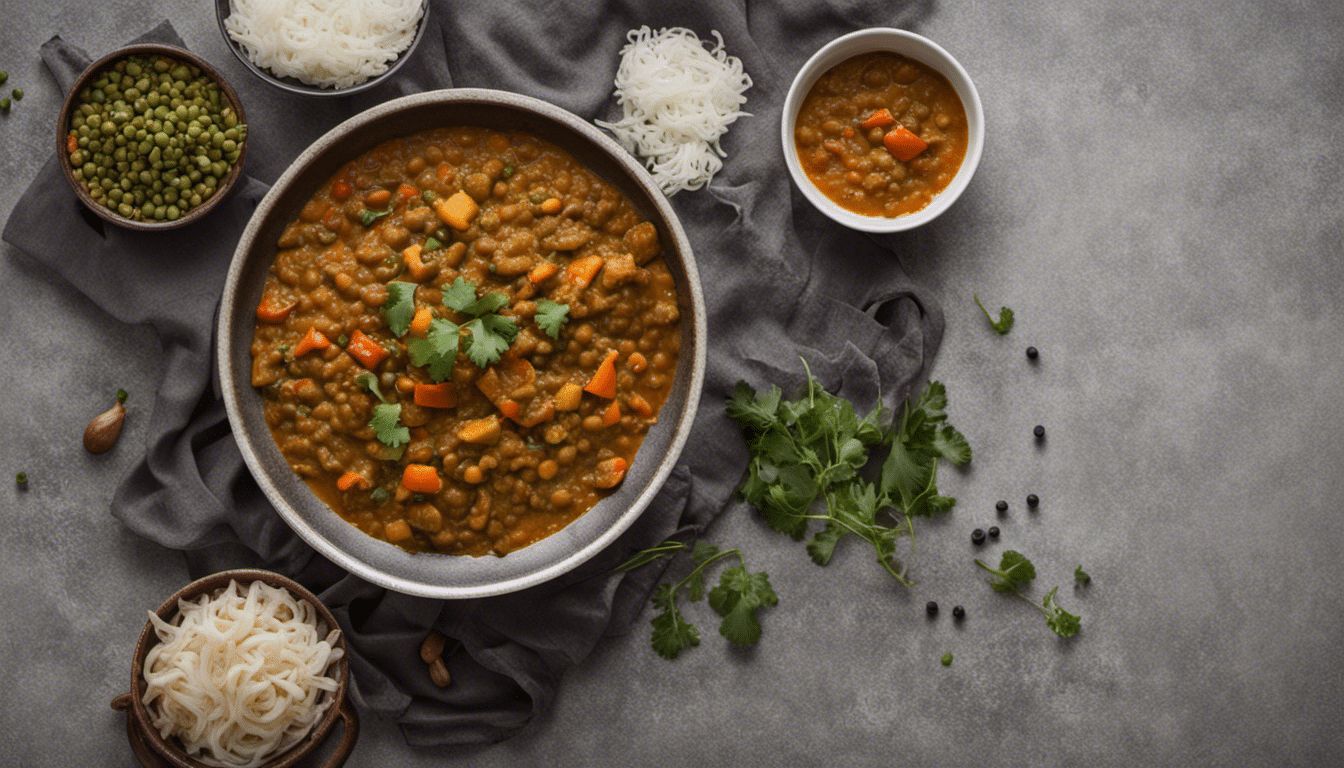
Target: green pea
125 210
3 76
161 139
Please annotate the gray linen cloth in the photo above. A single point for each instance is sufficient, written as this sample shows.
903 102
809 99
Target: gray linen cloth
781 283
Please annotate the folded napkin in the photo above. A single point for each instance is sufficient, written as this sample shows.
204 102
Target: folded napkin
781 283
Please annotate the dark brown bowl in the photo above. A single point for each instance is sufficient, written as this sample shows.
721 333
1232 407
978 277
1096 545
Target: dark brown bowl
152 749
428 574
63 130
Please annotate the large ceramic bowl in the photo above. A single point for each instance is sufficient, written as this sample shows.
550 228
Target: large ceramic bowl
434 575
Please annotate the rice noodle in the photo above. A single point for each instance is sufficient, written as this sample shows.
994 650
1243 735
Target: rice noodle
240 677
327 43
677 98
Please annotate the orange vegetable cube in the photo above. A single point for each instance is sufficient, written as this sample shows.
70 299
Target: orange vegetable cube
311 340
354 480
421 478
603 382
364 349
879 119
905 145
457 211
419 326
435 395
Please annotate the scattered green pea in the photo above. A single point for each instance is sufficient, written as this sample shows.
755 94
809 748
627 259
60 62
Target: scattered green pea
3 76
21 479
947 659
18 94
4 104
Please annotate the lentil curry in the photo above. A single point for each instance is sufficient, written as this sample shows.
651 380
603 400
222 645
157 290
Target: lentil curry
881 134
463 340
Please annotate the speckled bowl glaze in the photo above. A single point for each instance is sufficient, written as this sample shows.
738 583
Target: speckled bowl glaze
920 49
152 750
433 575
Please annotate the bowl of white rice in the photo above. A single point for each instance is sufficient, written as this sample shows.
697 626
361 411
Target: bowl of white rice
240 669
322 47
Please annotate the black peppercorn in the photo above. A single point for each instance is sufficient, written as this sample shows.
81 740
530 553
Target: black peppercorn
1032 354
1001 506
993 531
978 536
1038 431
1033 500
931 607
958 612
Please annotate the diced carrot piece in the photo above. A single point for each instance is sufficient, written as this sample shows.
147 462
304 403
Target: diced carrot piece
444 173
457 211
609 472
270 312
510 408
311 340
568 397
353 480
603 383
436 395
879 119
406 192
397 530
542 272
341 190
639 405
421 321
367 351
71 143
582 270
612 415
484 431
421 478
415 266
905 145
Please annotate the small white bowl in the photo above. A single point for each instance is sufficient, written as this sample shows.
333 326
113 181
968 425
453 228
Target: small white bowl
906 44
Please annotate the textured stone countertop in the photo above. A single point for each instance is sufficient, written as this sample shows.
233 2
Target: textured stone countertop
1162 204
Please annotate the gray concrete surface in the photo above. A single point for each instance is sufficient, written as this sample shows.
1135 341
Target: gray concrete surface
1160 202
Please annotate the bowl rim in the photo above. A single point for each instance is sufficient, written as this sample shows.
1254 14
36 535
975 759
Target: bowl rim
223 9
63 131
909 44
679 423
207 584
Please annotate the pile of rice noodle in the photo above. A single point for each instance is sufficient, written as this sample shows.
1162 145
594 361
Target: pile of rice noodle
326 43
240 677
678 98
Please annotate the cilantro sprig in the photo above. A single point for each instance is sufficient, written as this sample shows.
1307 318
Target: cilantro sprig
551 316
1005 321
490 334
386 421
737 598
400 306
1016 571
816 449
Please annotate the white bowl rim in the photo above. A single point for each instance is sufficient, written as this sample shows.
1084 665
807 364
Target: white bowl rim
926 52
682 422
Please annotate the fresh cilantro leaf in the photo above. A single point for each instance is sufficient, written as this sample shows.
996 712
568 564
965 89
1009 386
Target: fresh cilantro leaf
438 350
400 306
367 217
386 423
491 335
460 295
737 599
1005 321
1081 577
370 382
671 633
1014 570
817 447
551 316
1062 622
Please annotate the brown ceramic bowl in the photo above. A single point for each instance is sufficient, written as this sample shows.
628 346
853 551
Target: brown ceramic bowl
427 574
151 749
63 131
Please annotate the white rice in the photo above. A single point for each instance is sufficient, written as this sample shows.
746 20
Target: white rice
326 43
678 99
239 678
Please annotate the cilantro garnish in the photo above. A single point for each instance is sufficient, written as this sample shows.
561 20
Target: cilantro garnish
815 448
737 598
551 316
399 307
370 382
438 350
367 217
1015 571
1005 321
491 334
1081 577
386 423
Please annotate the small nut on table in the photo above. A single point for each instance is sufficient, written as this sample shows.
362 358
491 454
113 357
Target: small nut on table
438 672
432 648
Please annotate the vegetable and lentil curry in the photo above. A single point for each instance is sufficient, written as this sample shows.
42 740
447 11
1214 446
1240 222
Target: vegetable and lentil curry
463 340
881 134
